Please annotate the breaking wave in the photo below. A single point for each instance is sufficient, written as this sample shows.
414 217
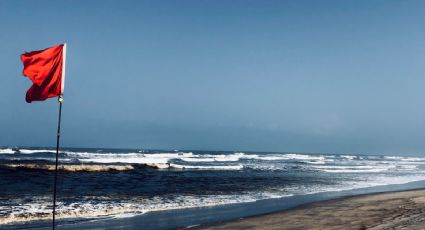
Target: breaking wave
29 151
25 151
211 167
42 210
71 168
6 151
411 159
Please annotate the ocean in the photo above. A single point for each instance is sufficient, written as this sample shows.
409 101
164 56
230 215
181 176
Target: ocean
99 184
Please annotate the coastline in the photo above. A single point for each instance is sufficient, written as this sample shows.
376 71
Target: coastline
386 210
206 216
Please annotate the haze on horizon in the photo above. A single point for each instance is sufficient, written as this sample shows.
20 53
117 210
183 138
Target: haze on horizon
305 76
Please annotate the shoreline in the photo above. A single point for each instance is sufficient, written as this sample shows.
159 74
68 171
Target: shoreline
202 217
381 210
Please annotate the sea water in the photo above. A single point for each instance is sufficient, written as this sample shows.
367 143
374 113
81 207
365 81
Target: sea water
110 183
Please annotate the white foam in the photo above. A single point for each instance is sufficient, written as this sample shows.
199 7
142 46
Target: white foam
286 156
162 158
129 160
211 158
406 167
135 158
188 159
400 158
344 167
317 162
6 151
126 215
355 168
31 151
385 180
70 168
227 158
168 155
207 167
349 157
304 157
41 209
154 158
25 151
266 166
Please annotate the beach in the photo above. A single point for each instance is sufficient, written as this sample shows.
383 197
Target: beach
160 189
392 210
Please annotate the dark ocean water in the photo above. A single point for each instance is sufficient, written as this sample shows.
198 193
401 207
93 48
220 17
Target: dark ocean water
106 183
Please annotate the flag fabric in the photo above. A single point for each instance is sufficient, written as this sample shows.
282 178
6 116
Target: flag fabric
45 68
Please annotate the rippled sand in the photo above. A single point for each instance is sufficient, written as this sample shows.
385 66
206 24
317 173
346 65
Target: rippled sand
395 210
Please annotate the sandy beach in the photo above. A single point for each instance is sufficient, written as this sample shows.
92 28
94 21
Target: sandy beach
393 210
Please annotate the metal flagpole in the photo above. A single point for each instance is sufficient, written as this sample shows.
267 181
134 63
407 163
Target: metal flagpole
57 158
60 100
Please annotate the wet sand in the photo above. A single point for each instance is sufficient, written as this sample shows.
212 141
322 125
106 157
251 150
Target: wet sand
393 210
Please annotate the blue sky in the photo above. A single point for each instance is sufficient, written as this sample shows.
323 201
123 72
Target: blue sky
306 76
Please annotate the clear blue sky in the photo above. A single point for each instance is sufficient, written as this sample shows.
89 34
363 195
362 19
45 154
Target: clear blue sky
307 76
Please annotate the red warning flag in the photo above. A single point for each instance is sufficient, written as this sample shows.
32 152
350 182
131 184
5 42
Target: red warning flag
45 68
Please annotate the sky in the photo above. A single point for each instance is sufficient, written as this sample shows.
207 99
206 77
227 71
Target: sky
290 76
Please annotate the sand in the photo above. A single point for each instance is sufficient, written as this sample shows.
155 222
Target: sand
393 210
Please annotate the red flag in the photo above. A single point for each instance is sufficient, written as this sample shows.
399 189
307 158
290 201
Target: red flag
46 70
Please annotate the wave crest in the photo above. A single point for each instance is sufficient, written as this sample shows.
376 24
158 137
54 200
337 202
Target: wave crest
72 168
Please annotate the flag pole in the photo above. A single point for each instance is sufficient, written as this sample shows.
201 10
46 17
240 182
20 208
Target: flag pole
60 100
